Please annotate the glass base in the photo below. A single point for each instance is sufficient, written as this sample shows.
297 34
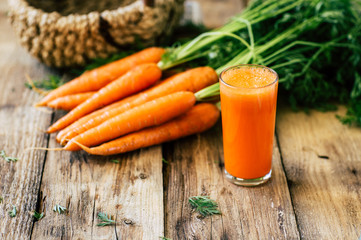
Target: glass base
247 182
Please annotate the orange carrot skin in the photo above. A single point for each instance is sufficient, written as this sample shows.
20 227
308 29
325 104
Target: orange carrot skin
200 118
95 118
149 114
135 80
192 80
62 134
97 78
70 101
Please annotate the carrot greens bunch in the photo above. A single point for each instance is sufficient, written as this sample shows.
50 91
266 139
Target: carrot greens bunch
314 45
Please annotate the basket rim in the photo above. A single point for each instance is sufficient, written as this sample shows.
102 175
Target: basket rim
24 6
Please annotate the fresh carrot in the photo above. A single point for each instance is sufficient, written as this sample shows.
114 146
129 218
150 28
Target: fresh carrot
200 118
97 78
70 131
69 102
138 78
149 114
192 80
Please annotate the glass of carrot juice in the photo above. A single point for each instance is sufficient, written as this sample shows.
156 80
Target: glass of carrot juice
248 103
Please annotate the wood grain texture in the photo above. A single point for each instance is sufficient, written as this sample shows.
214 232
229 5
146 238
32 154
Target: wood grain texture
323 166
131 191
196 168
20 128
322 159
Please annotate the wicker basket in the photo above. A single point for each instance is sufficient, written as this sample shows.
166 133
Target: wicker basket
65 33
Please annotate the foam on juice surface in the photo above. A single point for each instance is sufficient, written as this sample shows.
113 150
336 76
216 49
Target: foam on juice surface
248 77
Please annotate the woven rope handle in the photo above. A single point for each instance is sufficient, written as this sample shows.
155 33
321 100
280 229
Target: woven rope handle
149 3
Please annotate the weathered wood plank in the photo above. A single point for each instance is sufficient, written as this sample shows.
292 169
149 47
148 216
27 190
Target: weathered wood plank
322 159
20 128
131 191
195 168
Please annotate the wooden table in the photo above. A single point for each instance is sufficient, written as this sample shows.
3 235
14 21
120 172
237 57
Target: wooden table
314 192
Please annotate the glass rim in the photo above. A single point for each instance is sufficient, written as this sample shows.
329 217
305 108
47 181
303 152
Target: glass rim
249 65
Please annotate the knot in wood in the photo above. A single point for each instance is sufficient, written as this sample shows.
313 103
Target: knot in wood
142 176
200 216
128 222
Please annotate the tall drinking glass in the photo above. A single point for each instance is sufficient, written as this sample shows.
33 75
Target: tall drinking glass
248 102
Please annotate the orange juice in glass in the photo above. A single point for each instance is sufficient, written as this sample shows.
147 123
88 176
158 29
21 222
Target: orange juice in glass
248 103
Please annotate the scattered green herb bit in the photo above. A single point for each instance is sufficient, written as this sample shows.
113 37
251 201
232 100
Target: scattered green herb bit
7 158
105 219
1 199
204 205
114 161
164 238
51 83
12 213
165 161
37 215
59 209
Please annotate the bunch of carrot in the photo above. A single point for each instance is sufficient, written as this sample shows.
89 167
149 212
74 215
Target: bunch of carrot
124 105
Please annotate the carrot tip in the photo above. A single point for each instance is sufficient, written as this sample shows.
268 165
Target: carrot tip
51 130
42 109
40 104
41 130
